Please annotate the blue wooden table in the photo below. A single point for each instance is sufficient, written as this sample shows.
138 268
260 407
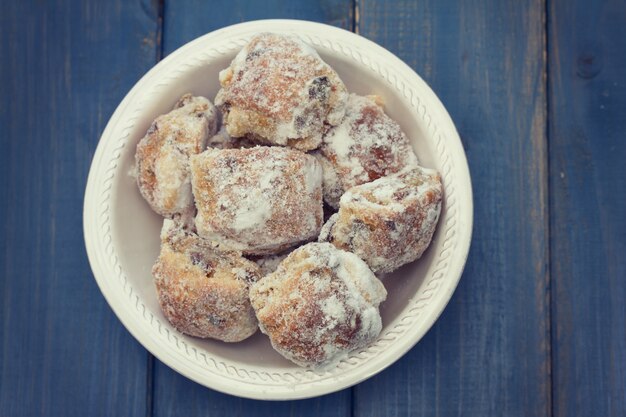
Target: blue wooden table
537 89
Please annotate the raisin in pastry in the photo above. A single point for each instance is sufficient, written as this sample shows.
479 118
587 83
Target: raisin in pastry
319 305
162 157
260 200
388 222
202 290
365 146
278 91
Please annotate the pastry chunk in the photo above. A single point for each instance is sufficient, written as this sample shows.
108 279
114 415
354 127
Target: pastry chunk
162 156
278 91
366 145
260 200
203 291
388 222
319 305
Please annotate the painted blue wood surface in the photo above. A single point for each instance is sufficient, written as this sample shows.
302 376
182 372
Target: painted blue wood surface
587 49
538 324
488 355
64 67
185 20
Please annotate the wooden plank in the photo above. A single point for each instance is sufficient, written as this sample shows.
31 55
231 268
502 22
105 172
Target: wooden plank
175 395
489 352
587 41
65 66
183 21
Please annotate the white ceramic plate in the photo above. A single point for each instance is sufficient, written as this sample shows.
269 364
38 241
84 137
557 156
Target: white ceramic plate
122 233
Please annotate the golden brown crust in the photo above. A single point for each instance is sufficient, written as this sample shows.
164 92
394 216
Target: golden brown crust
389 222
320 304
202 290
162 156
279 91
367 145
260 200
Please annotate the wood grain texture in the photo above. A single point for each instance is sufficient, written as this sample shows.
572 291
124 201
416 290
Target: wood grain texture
516 322
175 395
489 352
587 46
65 66
184 21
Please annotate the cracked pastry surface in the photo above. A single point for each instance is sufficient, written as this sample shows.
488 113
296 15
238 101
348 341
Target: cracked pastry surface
319 305
203 291
260 200
388 222
278 91
162 156
365 146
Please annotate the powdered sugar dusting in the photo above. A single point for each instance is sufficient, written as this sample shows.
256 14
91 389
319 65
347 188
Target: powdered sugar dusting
320 304
259 200
326 231
366 145
278 90
251 214
320 301
162 156
390 221
203 291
